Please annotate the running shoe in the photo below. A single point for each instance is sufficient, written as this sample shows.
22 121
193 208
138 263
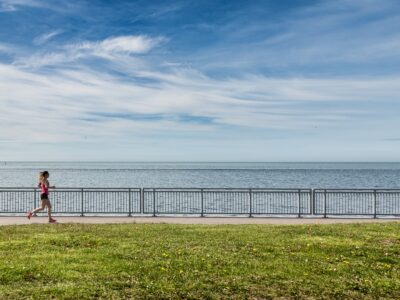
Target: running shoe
52 220
29 215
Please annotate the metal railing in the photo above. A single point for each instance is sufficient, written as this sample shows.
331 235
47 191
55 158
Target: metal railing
365 202
207 201
79 201
227 201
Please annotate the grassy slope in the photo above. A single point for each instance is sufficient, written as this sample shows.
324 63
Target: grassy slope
200 261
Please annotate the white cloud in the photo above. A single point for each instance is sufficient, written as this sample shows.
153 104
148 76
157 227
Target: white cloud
129 44
12 5
65 105
113 49
118 45
54 5
44 38
5 7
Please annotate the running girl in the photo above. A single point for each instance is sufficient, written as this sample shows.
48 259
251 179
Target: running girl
44 196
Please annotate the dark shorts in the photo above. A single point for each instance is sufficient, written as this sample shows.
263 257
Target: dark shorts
44 196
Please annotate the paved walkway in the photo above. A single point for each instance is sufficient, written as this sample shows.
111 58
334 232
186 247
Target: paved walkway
6 220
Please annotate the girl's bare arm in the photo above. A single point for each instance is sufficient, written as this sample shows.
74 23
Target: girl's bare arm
48 185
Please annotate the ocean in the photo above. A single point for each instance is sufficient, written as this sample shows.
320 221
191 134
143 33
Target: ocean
203 175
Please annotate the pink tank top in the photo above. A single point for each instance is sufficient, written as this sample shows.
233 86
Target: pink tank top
44 189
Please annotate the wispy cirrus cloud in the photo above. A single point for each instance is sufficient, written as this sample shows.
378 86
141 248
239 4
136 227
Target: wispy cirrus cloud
41 39
119 45
13 5
348 34
103 105
109 48
7 6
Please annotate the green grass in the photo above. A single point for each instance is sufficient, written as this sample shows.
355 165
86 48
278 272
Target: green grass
72 261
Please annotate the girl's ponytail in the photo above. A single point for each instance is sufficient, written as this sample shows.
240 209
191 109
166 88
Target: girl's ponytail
41 178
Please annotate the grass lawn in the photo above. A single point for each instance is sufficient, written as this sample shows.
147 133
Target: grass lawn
77 261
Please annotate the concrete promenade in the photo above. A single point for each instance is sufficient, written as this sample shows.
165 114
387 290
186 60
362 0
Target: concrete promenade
11 220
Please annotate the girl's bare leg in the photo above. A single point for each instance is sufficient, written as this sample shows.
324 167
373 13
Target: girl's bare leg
49 209
39 208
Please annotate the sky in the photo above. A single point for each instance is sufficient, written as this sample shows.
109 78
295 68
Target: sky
271 80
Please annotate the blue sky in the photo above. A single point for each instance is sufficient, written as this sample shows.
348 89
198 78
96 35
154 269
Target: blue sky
200 80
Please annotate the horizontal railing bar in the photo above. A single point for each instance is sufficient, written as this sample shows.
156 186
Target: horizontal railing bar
280 213
181 189
249 188
222 190
344 191
73 188
296 189
346 214
216 192
100 191
368 189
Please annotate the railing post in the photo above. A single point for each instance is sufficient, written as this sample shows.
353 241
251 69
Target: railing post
299 198
374 204
325 203
154 202
130 204
81 202
250 203
141 201
312 206
202 203
34 198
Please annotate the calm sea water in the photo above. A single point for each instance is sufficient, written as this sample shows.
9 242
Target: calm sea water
215 175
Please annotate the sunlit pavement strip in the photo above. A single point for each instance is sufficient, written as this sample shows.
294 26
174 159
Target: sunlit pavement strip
6 220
